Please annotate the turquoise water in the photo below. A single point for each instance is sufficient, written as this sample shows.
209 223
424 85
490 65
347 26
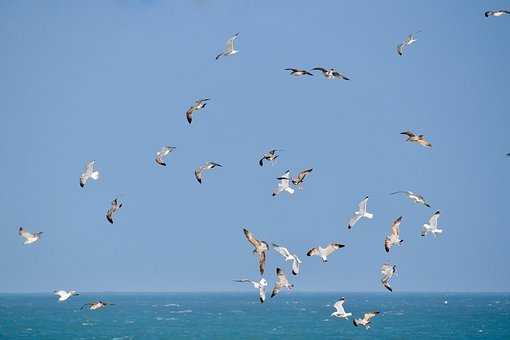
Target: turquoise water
241 316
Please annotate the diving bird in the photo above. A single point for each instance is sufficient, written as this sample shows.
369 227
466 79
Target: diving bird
200 170
199 104
324 252
288 257
299 179
340 311
116 205
410 39
261 248
89 172
394 238
330 73
283 184
64 295
260 285
496 13
387 271
361 212
229 47
161 154
28 236
431 227
418 139
366 321
416 198
270 156
281 282
298 72
95 305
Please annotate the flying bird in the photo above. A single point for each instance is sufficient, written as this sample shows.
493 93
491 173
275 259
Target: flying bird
260 285
229 47
207 166
416 198
283 184
361 212
89 172
161 154
281 282
299 179
114 208
288 257
394 238
387 271
28 236
366 321
324 252
97 305
270 156
261 248
496 13
431 227
64 295
410 39
330 73
340 311
199 104
418 139
298 72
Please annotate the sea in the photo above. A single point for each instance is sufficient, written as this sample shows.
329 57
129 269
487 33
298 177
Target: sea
294 315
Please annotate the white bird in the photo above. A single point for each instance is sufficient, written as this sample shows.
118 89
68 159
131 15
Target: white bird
387 271
281 282
394 238
261 247
296 72
97 305
361 212
207 166
324 252
366 321
161 154
64 295
330 73
340 311
114 208
28 236
260 285
289 257
229 47
496 13
283 184
89 172
416 198
199 104
431 227
410 39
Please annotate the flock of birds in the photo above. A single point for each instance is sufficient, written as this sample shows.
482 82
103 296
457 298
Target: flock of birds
285 184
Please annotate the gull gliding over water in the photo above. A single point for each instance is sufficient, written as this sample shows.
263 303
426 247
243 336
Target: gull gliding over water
387 271
281 282
95 305
418 139
330 73
114 208
431 227
496 13
161 154
296 72
340 311
89 172
229 47
200 170
261 248
416 198
410 39
64 295
323 253
394 238
260 285
366 321
361 212
28 236
199 104
288 257
283 184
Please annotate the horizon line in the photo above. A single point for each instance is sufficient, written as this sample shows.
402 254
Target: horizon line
247 291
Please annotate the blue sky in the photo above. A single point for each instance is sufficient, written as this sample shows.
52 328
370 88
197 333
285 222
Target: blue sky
111 81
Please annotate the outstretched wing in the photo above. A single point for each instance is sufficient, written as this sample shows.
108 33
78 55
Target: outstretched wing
282 250
433 219
313 252
332 248
249 236
369 316
395 227
339 306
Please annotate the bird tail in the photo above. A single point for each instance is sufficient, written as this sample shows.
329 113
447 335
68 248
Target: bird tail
95 175
368 215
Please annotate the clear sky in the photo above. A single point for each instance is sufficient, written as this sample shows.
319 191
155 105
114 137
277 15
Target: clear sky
111 81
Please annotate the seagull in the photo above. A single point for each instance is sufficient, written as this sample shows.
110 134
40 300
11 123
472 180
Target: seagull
97 305
298 72
298 181
229 47
207 166
416 198
431 227
64 295
115 207
418 139
394 238
161 154
281 282
260 285
261 247
89 173
199 104
361 212
387 271
340 311
28 236
330 73
324 252
367 319
284 184
270 156
410 39
289 257
496 13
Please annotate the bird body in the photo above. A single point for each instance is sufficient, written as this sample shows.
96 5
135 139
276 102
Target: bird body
416 198
331 73
284 184
207 166
431 227
260 285
95 305
116 205
417 139
387 271
229 47
65 295
299 179
394 238
410 39
496 13
360 213
199 104
281 282
340 311
88 173
161 154
289 257
366 321
323 253
28 236
270 156
261 248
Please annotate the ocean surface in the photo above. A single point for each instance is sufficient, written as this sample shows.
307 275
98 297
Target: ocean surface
240 316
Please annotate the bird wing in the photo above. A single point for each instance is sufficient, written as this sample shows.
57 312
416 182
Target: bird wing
370 315
433 219
362 206
282 250
387 272
25 234
229 46
400 49
262 261
332 248
249 236
281 279
198 173
395 227
320 69
295 265
408 133
189 114
354 219
313 252
339 306
89 167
